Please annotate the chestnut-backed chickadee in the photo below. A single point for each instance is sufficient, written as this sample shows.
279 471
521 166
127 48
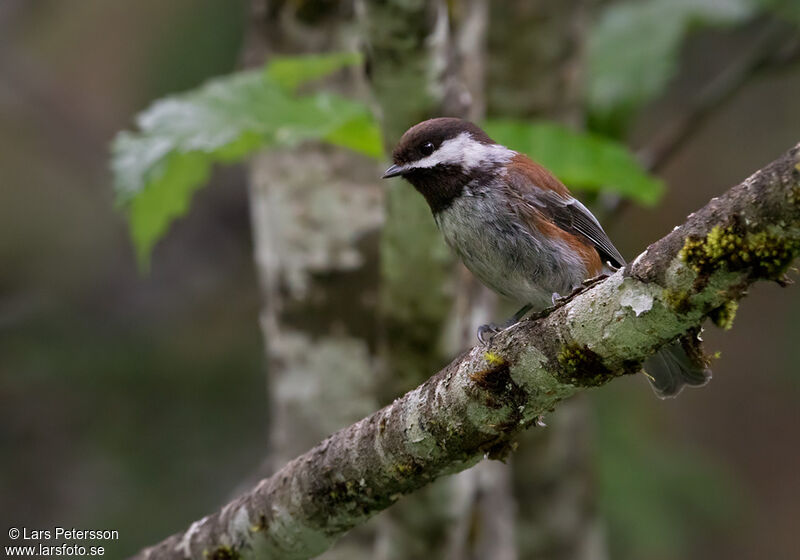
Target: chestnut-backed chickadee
516 227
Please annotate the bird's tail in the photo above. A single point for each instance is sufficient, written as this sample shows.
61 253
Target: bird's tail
673 367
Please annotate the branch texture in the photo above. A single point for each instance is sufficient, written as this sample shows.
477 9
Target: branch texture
476 405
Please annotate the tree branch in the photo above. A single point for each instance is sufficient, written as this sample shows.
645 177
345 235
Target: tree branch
476 405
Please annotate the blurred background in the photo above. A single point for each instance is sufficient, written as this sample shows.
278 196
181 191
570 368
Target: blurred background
141 398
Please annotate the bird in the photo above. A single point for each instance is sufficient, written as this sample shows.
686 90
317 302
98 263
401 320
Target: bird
517 228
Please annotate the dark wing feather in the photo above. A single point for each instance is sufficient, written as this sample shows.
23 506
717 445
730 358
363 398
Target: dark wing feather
576 218
546 193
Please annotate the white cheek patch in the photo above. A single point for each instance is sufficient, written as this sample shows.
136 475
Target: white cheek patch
463 150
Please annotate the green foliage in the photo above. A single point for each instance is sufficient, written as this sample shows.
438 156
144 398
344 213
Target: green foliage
157 169
767 254
291 72
633 50
656 496
583 161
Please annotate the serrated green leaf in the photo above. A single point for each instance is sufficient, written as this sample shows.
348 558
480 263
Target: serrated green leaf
581 160
165 199
358 134
634 46
292 71
157 169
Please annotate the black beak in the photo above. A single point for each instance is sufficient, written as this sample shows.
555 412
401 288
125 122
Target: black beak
393 171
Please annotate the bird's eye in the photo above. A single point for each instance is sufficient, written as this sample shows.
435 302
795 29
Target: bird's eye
426 149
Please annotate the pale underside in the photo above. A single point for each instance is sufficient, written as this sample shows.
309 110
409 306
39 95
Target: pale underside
503 254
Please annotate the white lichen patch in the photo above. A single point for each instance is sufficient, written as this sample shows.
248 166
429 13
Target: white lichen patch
239 526
185 544
638 258
636 297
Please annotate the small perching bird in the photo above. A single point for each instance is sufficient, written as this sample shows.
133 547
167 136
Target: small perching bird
517 228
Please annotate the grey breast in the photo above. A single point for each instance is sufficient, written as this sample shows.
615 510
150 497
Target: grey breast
500 251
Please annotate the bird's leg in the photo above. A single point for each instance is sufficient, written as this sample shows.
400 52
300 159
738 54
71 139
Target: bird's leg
487 332
516 317
555 297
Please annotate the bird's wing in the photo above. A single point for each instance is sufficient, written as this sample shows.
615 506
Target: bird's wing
578 218
533 185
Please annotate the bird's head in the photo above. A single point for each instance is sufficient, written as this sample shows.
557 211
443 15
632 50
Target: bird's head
440 156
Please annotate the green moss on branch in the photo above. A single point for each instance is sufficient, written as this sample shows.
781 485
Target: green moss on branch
766 253
224 553
678 300
724 315
582 367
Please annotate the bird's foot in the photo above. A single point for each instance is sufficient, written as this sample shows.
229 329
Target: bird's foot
555 297
487 332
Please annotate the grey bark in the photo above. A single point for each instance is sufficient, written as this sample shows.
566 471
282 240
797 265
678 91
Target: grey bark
539 71
312 246
479 403
400 46
316 214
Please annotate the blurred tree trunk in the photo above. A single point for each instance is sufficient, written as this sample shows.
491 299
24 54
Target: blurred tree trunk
539 74
315 214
